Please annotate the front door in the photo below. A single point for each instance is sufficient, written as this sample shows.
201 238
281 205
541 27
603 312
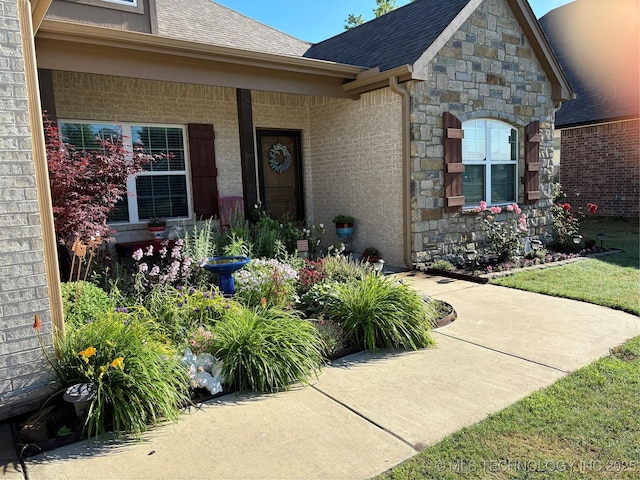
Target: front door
280 170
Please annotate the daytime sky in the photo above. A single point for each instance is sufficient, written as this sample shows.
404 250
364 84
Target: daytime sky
317 20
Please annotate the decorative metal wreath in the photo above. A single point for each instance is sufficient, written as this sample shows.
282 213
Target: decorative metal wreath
274 163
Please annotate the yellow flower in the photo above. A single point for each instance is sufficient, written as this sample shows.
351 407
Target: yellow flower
87 354
118 363
103 369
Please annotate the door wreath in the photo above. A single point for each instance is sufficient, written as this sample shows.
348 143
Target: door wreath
274 162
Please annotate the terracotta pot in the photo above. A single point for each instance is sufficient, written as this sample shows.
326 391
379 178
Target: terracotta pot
370 258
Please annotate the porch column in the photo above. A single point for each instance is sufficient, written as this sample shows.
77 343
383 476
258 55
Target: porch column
247 148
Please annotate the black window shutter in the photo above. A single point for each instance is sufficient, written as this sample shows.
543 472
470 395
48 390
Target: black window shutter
453 166
532 163
204 173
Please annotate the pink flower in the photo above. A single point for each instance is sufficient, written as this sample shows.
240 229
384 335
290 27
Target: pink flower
489 217
495 210
149 251
509 208
566 207
137 255
523 228
483 205
154 271
517 209
593 208
476 210
143 267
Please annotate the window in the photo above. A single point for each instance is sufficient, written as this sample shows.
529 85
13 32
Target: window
133 6
490 156
158 191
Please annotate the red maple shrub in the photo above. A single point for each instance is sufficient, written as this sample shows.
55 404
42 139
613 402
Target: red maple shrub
87 185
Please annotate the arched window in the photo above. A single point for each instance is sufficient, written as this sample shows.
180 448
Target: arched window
490 157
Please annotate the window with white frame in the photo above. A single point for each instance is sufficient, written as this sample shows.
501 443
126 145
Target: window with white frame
490 157
160 190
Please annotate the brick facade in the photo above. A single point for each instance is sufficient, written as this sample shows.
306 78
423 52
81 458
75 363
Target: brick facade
486 70
23 287
601 165
351 150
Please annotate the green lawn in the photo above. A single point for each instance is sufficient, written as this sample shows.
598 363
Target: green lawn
585 426
612 281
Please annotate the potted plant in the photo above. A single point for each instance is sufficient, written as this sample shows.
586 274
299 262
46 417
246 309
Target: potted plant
156 226
371 255
344 225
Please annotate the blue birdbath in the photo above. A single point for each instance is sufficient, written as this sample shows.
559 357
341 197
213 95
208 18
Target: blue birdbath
224 267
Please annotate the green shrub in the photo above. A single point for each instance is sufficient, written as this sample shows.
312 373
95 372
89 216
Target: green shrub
178 312
266 349
271 279
342 269
83 301
380 312
313 302
137 381
443 265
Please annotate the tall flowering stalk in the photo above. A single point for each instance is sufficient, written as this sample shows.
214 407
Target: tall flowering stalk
167 266
504 234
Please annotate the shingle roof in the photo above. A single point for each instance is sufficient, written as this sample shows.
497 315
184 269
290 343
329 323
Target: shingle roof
598 46
208 22
400 37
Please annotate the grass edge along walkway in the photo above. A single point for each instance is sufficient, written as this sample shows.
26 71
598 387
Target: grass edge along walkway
585 425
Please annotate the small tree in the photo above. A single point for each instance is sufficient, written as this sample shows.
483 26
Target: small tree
87 185
382 7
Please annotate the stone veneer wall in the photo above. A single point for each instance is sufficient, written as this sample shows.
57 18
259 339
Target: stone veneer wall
356 169
23 287
601 165
486 70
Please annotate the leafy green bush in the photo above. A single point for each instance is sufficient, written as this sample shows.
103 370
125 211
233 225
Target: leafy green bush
178 312
137 381
313 302
342 269
268 279
266 349
443 265
380 312
83 301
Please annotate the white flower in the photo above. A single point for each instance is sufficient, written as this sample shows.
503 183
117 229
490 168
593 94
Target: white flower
321 225
137 255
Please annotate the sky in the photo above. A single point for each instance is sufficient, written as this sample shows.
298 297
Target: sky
317 20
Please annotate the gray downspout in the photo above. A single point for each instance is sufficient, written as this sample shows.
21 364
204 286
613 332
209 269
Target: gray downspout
406 169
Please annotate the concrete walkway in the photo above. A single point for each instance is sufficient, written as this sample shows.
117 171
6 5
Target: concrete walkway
366 413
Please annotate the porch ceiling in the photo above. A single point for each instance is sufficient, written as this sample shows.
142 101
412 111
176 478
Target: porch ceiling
90 49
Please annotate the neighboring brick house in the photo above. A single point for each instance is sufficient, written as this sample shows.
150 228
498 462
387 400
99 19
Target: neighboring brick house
372 120
598 44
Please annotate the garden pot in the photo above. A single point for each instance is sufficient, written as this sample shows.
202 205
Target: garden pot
157 232
344 230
